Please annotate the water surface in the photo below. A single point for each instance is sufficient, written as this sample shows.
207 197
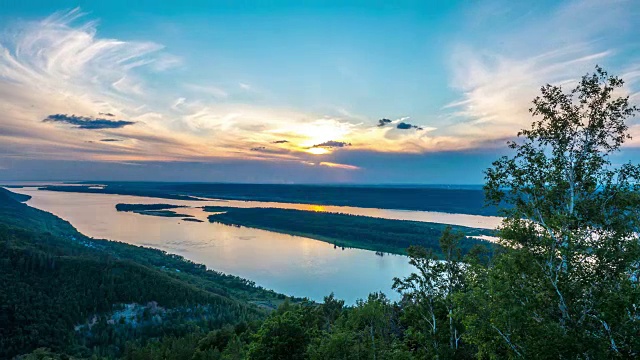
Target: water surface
288 264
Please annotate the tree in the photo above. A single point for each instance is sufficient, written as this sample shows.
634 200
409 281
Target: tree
366 331
428 297
571 229
282 336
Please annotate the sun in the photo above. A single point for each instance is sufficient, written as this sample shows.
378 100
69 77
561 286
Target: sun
310 137
317 151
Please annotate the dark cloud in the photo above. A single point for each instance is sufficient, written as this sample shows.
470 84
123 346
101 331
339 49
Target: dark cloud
89 123
332 144
383 122
266 150
110 140
106 114
405 126
280 142
401 126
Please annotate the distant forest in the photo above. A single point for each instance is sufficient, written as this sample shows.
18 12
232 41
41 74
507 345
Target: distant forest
454 200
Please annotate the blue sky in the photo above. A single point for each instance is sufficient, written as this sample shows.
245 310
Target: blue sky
289 91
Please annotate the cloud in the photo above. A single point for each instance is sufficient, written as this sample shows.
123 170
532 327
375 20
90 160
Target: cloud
332 144
400 124
383 122
83 122
498 76
110 140
209 90
338 166
59 65
405 126
178 103
113 74
266 153
61 53
63 65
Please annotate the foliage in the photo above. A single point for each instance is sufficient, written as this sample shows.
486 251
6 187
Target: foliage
430 312
571 271
299 331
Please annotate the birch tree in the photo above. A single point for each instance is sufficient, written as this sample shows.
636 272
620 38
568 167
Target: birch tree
571 227
428 298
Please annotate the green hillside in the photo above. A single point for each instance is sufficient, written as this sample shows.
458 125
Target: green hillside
53 278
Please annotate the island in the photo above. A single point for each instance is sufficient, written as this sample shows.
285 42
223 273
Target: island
342 230
161 210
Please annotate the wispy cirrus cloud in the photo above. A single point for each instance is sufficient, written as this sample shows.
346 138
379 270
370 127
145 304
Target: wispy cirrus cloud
497 83
338 166
55 52
62 65
59 66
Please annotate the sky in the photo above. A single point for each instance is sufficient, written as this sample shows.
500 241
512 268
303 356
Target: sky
420 92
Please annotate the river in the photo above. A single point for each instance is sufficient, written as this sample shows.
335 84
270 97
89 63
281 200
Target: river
288 264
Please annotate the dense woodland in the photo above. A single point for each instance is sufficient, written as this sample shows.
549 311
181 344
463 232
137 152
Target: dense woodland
53 278
564 285
342 230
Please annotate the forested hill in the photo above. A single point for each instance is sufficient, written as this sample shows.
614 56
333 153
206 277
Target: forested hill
14 213
53 279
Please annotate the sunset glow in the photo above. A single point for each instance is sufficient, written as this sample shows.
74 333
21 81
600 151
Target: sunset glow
93 88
